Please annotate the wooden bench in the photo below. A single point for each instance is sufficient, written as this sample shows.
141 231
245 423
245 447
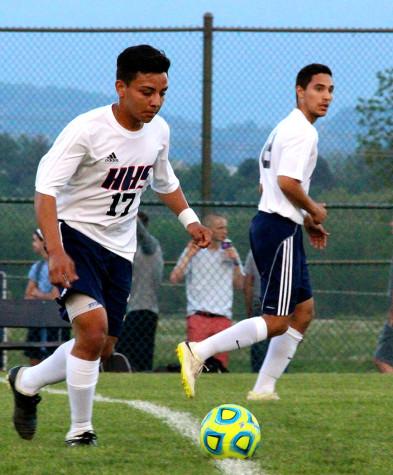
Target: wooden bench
30 314
43 314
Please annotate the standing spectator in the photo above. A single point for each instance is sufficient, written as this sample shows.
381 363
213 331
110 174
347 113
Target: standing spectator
211 274
136 341
3 295
252 299
3 291
39 287
383 357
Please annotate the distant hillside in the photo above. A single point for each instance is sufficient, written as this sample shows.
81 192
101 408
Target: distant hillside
37 110
43 110
338 133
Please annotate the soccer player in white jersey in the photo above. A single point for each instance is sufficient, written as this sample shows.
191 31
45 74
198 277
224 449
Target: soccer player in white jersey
287 162
88 189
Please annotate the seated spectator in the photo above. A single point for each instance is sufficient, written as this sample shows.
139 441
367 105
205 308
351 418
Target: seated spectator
39 288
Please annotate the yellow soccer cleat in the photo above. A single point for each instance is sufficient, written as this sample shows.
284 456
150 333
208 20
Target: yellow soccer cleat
190 366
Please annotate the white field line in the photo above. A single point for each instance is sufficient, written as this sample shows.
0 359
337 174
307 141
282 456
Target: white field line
180 422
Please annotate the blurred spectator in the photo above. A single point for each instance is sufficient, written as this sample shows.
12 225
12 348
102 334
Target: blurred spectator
211 274
2 296
137 338
1 330
1 352
39 288
383 357
252 298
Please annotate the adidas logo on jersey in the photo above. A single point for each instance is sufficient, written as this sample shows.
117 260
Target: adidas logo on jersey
111 158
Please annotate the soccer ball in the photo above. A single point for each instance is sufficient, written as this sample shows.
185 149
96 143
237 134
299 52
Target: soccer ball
230 430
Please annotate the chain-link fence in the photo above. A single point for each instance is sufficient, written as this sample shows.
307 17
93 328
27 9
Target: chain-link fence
228 88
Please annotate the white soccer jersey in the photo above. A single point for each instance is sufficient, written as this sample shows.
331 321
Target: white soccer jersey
291 150
98 170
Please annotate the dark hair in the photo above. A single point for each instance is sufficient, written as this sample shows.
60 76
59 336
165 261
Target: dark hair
305 75
140 59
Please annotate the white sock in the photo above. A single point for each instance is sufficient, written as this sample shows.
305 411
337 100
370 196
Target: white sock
82 377
51 370
242 334
281 350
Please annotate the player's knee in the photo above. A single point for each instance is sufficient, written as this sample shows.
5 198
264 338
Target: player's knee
282 328
97 339
304 313
276 325
309 314
91 343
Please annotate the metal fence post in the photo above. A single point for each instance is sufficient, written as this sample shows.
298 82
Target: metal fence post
207 109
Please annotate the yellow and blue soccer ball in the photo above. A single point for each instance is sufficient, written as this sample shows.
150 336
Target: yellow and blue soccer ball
231 431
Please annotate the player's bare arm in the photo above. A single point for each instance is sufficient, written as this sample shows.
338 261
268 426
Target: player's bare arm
61 266
293 190
177 203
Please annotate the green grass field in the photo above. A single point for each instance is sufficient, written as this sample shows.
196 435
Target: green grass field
324 424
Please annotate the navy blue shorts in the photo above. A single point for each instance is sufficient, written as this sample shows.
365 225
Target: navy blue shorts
277 247
103 275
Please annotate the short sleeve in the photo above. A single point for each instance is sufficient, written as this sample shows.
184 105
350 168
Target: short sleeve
60 163
164 179
296 150
32 275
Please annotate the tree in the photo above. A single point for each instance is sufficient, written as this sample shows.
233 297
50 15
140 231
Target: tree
323 178
249 169
19 158
376 143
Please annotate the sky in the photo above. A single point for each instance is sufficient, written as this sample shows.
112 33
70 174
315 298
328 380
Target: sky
247 13
253 73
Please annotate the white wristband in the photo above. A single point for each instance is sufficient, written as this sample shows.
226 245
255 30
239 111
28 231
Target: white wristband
188 216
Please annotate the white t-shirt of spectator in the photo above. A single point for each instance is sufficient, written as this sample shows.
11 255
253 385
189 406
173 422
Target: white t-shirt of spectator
291 150
98 170
209 282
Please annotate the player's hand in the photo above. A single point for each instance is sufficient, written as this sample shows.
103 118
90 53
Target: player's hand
318 236
201 235
319 213
61 269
